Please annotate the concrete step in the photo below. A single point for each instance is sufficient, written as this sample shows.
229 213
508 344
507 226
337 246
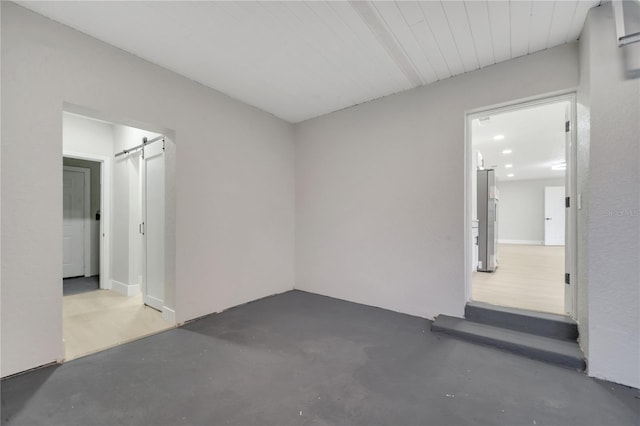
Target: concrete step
554 351
539 323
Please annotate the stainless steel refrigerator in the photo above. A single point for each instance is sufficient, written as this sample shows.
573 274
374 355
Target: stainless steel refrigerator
488 221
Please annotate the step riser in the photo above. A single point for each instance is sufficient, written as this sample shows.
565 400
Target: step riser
534 353
528 324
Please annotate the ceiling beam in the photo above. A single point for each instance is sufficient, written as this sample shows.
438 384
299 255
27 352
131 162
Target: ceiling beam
383 35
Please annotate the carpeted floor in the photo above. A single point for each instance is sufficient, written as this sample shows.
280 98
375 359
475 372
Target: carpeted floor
80 285
299 358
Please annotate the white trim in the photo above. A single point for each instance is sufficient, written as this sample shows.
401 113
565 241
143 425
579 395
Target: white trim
125 289
571 221
468 241
153 302
105 212
169 315
571 245
530 102
527 242
86 221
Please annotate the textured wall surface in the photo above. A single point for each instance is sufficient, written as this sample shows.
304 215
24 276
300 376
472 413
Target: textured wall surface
380 191
233 177
612 75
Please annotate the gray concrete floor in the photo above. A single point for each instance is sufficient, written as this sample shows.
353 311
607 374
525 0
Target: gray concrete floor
299 358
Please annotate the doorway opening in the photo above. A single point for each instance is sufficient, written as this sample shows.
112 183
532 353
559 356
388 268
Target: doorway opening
81 226
521 239
117 279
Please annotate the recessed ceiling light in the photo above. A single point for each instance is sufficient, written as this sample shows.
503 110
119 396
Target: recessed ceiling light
498 137
506 151
510 175
508 166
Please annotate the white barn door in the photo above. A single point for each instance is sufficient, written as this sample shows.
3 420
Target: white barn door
153 204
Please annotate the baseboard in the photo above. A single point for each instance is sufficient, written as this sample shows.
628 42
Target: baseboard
125 289
527 242
169 315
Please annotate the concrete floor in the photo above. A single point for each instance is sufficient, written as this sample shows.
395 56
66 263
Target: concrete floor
299 358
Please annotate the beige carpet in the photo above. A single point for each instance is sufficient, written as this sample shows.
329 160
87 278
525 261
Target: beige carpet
101 319
528 277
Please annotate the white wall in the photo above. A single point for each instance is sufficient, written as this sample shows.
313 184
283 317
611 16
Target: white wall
82 135
234 179
380 187
521 210
609 268
120 217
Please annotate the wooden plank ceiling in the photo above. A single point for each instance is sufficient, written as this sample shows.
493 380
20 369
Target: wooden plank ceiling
299 60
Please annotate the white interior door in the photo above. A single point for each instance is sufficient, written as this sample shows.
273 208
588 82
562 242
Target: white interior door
554 215
73 217
153 175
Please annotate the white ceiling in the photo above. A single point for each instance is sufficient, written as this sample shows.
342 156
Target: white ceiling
299 60
536 137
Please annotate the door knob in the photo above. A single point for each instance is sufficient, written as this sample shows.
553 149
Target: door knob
547 218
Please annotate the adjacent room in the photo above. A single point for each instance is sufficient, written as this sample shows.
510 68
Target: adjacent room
519 174
113 288
318 212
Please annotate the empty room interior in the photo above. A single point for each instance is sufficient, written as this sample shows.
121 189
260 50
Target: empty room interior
279 213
